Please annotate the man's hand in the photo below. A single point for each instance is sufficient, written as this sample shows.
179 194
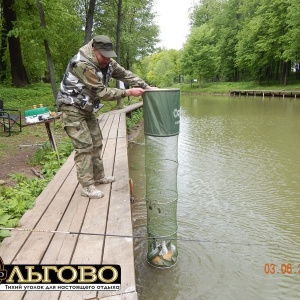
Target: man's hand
151 88
135 92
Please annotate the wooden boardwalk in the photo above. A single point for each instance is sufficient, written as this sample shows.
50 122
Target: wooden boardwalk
60 207
266 93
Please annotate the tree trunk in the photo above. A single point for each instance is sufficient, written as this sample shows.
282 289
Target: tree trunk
285 70
18 72
236 74
118 43
47 50
89 21
297 71
3 46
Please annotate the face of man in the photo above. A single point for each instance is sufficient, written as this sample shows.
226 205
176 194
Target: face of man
102 60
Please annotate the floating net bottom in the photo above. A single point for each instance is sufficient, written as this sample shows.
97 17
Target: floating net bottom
162 251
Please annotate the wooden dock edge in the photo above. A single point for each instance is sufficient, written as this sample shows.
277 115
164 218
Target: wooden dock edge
265 93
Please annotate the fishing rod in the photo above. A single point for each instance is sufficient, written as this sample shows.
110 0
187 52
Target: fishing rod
131 236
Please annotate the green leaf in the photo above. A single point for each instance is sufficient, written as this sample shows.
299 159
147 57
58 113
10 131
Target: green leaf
4 219
4 234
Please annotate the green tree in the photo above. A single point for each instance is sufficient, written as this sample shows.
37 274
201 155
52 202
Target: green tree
161 69
260 48
89 21
200 55
66 25
228 24
255 39
47 50
138 32
62 34
292 37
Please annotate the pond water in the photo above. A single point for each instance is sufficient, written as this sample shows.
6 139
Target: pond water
238 202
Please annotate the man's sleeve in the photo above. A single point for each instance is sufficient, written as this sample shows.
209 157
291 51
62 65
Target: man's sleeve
132 79
88 77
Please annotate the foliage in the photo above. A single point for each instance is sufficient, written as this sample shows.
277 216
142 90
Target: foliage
225 87
161 69
134 119
230 40
14 201
233 40
138 32
200 57
64 31
292 36
24 98
257 40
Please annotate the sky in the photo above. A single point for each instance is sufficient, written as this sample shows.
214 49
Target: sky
173 20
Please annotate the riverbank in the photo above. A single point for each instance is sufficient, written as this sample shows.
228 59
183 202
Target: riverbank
219 88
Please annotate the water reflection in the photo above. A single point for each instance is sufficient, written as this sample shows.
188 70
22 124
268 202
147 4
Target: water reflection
238 185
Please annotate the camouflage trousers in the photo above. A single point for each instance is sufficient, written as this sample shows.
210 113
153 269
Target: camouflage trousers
83 129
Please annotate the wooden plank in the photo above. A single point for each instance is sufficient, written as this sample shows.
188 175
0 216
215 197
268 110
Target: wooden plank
106 128
127 109
109 149
9 295
102 119
126 296
115 127
119 250
89 248
122 131
120 211
62 245
34 248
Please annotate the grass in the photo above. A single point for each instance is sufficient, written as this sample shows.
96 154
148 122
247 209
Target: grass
35 94
23 99
15 200
137 117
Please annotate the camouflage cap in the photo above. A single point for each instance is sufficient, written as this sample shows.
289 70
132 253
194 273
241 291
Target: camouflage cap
104 44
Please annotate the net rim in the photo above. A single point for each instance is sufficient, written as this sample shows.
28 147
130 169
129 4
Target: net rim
162 90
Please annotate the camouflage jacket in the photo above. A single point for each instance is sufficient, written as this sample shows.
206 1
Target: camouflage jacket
85 84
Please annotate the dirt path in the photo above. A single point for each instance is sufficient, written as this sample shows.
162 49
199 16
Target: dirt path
17 149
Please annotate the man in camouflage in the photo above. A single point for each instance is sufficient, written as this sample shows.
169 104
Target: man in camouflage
84 85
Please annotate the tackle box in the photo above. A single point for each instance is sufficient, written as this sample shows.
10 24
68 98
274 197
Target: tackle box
37 114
